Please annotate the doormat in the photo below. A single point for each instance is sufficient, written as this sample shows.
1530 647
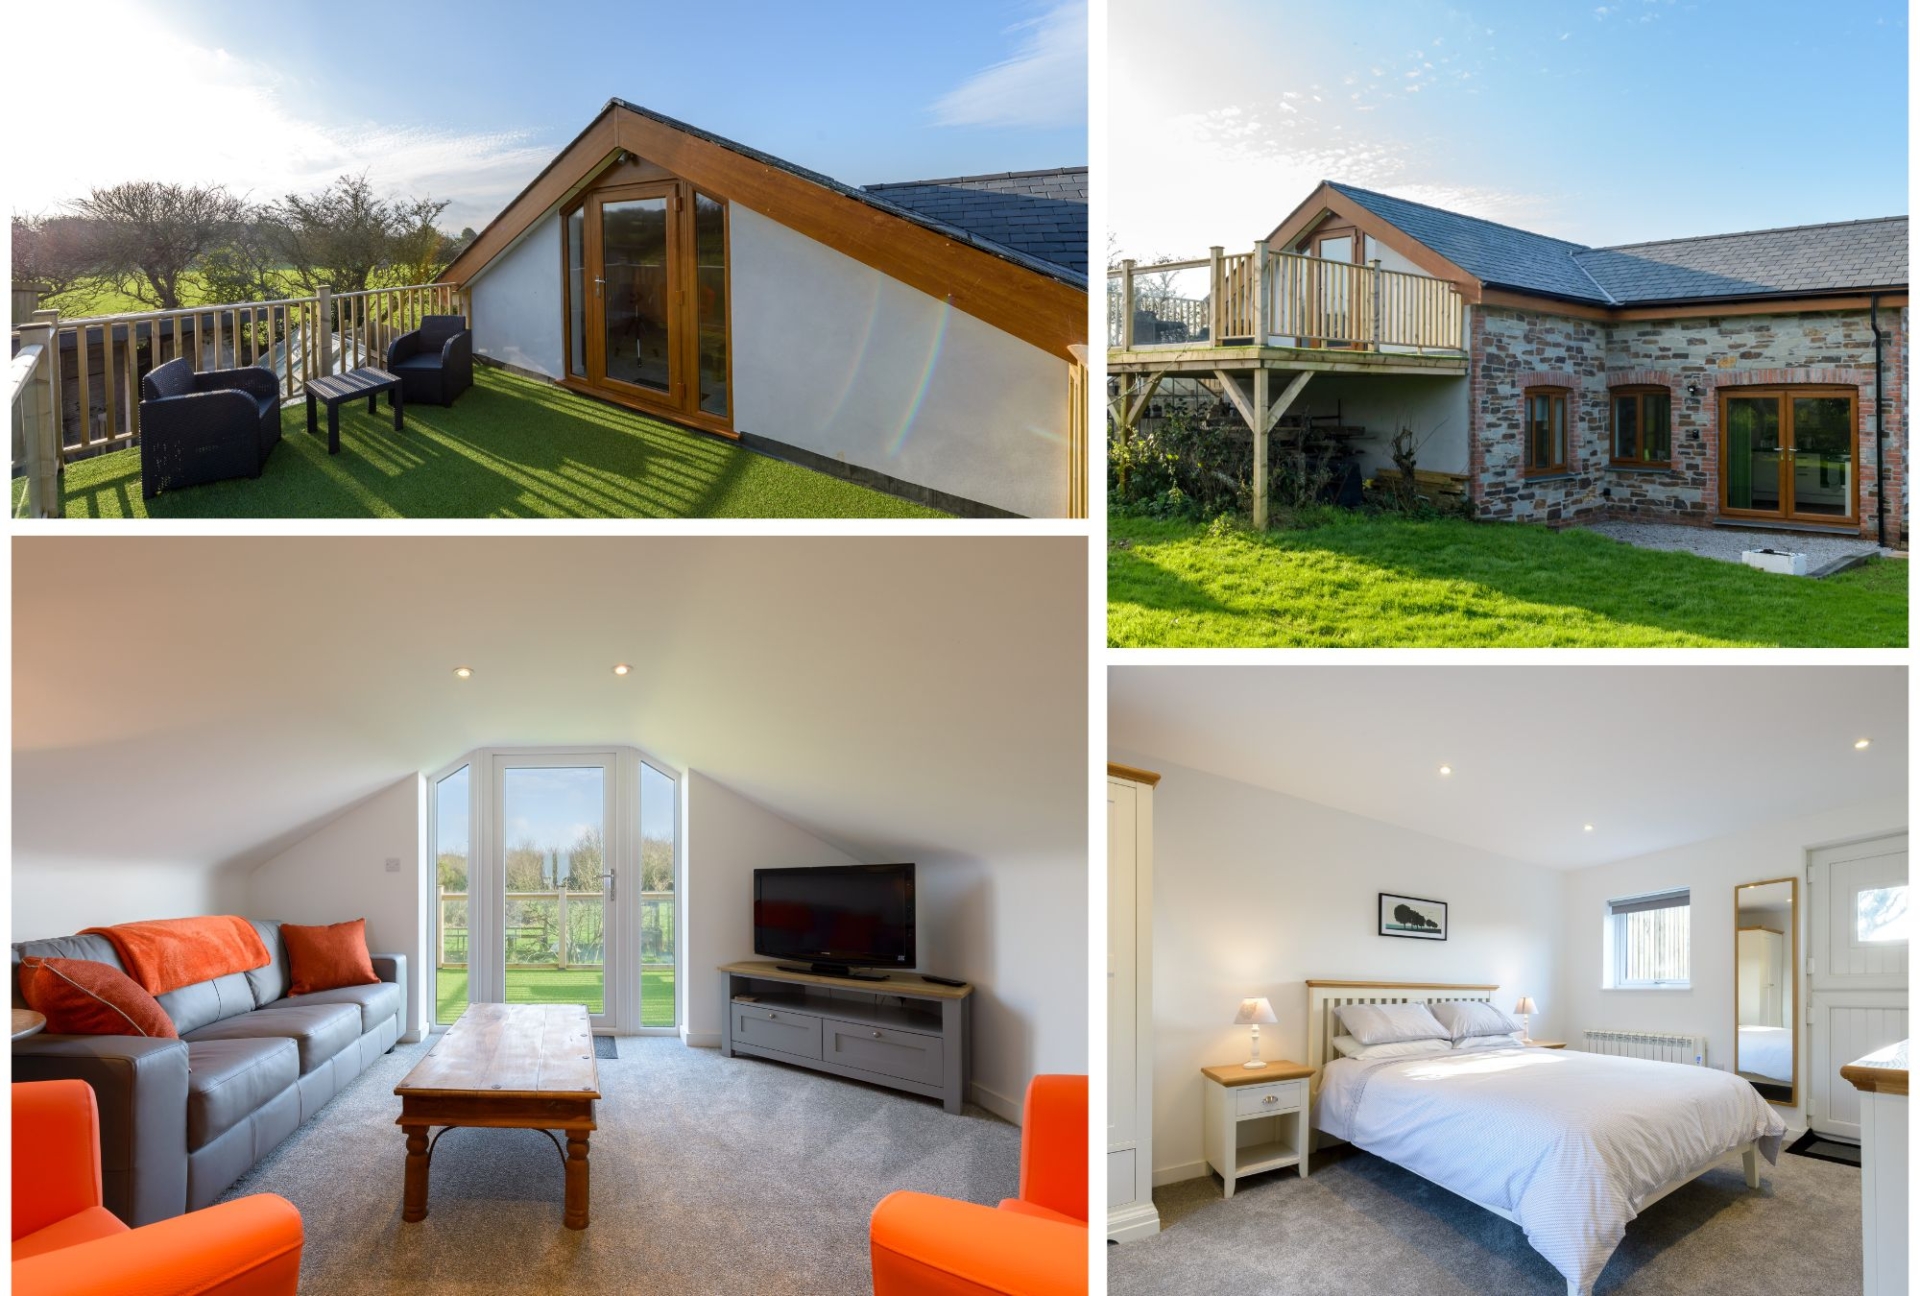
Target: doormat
603 1048
1826 1149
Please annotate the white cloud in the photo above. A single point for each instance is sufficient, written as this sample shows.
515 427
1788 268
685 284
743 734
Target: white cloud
1043 84
245 134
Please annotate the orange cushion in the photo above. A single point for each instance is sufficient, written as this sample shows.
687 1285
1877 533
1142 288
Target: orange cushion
81 997
326 958
93 1222
1019 1207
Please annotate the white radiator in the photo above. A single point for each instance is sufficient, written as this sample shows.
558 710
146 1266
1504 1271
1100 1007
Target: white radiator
1656 1045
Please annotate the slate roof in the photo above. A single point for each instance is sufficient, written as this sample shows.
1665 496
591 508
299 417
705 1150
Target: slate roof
1849 255
1041 213
958 233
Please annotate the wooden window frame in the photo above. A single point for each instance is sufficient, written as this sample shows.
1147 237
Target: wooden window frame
1561 469
1638 392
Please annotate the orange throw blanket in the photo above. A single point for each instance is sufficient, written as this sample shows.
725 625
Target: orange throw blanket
168 953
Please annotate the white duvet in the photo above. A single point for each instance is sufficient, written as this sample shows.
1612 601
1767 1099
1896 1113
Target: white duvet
1767 1051
1569 1145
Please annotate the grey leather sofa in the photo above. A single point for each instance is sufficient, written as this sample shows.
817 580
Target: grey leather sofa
182 1119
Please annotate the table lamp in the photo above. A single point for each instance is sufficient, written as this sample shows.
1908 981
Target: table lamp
1526 1009
1252 1013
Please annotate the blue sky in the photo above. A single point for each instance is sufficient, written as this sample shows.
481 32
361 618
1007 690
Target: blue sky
468 102
1603 123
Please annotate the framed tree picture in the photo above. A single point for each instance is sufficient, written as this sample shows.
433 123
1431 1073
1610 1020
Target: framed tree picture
1412 918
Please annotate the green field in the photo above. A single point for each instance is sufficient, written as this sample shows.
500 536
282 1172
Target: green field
1355 582
553 986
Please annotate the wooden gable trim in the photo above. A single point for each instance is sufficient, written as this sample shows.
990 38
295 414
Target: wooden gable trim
1326 200
1036 309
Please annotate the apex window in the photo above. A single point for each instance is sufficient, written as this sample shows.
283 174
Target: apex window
1647 942
1546 430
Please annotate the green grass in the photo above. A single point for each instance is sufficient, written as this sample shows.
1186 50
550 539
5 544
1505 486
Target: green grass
510 447
553 986
1393 582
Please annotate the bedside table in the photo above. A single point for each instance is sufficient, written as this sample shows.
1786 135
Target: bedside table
1559 1044
1274 1095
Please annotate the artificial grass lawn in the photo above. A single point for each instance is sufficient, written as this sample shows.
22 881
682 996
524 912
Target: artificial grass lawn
1396 582
509 447
553 986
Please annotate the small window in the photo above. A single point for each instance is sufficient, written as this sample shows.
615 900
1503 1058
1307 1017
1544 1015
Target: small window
1642 431
1647 942
1546 430
1880 915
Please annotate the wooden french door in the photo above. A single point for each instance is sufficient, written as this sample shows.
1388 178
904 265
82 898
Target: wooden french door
648 295
1787 453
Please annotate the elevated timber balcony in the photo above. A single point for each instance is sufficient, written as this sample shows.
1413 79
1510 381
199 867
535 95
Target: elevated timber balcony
1276 310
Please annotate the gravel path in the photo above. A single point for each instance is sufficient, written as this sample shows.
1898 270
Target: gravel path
1727 543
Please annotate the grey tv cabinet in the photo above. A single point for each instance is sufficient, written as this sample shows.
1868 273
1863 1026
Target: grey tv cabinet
903 1032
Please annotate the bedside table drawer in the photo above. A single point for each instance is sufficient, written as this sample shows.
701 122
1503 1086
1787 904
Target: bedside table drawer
1269 1099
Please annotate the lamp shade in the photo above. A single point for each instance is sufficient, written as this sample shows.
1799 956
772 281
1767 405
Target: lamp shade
1525 1005
1254 1010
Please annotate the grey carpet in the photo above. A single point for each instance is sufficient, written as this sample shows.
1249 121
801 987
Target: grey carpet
710 1174
1359 1224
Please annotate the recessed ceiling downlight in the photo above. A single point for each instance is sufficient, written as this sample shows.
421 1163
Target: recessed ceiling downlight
1586 827
622 669
1863 744
463 672
1446 770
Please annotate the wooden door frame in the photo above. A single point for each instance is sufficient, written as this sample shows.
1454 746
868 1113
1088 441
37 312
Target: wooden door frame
1358 238
682 403
1784 394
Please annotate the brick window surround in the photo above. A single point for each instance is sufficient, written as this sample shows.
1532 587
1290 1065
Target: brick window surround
1644 378
1567 386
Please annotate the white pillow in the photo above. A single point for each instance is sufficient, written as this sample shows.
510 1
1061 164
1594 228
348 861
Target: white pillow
1477 1043
1390 1023
1469 1017
1353 1048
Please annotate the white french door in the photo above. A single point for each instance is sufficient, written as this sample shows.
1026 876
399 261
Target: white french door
1857 972
556 882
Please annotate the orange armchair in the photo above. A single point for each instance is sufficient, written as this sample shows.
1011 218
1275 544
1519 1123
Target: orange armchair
65 1243
1033 1245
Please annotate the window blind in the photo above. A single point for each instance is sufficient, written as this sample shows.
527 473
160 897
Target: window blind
1648 903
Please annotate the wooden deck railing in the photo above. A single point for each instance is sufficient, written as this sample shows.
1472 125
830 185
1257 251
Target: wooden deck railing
100 360
1285 299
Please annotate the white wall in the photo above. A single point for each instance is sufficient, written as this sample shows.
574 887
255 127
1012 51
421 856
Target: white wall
1256 892
516 303
1711 870
339 873
58 897
1435 408
839 359
728 837
1016 928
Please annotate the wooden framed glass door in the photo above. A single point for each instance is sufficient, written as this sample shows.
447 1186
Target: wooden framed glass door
1787 453
645 280
632 306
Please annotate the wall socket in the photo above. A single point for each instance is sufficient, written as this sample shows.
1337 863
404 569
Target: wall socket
393 864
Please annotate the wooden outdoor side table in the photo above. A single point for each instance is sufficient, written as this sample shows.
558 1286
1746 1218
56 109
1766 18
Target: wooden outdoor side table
505 1066
335 389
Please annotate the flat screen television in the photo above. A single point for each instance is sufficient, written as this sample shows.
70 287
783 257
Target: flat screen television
835 919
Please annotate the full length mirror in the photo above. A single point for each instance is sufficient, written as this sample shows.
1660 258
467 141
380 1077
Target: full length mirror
1766 995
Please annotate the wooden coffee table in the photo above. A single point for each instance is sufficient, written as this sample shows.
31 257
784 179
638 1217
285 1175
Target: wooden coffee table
333 389
505 1066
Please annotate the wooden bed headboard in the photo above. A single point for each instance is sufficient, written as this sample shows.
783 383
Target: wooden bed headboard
1324 996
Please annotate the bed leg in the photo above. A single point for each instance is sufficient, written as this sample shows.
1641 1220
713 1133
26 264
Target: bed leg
1751 1160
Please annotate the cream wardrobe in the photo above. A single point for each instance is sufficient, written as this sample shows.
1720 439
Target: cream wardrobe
1130 1211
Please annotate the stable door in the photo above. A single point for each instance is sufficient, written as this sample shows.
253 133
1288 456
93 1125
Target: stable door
1857 972
1787 453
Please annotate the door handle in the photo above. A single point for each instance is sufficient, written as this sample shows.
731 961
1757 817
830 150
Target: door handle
608 878
599 287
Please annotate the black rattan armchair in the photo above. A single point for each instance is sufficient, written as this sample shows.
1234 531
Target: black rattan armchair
434 362
205 427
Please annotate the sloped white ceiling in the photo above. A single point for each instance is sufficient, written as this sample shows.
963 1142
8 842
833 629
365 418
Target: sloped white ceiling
212 699
1652 756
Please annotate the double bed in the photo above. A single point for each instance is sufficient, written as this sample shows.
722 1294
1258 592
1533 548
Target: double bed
1570 1146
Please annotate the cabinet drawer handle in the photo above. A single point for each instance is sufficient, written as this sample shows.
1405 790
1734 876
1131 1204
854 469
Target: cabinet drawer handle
1270 1098
770 1017
876 1034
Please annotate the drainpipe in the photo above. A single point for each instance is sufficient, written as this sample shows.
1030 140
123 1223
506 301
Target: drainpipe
1879 422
